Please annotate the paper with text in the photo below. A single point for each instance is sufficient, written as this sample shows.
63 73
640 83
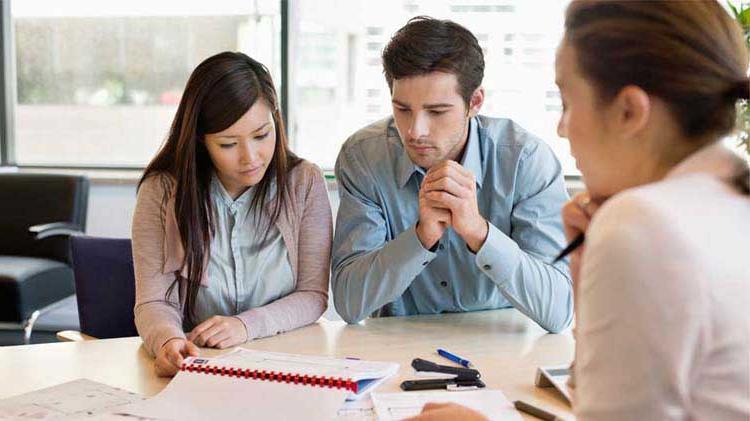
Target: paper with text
77 399
397 406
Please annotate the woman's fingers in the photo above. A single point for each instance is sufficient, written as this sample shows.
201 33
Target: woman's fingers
203 338
174 356
191 349
217 338
575 220
169 358
201 328
577 214
430 406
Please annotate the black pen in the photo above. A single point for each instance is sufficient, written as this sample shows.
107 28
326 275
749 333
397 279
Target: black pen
570 248
537 412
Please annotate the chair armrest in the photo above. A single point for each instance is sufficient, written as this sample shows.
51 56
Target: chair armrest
52 229
73 336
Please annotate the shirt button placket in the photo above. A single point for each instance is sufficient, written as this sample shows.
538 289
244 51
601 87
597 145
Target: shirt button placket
236 257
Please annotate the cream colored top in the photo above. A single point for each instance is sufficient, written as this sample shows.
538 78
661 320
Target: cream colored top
663 329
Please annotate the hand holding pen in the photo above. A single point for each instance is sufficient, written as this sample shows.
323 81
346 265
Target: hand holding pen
576 215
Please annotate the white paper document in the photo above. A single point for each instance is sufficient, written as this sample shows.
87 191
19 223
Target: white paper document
359 410
197 396
74 400
397 406
266 385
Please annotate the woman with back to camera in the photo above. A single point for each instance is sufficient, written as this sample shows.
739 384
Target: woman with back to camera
662 285
231 231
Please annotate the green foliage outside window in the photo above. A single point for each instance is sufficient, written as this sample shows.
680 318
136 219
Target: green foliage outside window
741 13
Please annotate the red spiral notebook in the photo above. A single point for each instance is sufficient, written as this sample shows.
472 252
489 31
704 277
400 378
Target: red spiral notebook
266 385
355 376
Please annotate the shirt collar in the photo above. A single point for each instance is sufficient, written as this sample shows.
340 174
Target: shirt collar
472 159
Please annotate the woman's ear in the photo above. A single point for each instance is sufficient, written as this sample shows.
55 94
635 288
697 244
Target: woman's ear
476 101
632 108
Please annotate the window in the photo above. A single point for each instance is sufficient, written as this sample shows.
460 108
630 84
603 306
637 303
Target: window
519 38
98 84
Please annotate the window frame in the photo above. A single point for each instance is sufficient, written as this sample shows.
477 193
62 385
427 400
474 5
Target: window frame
7 87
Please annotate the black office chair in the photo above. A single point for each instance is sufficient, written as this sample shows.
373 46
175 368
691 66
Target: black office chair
37 214
105 286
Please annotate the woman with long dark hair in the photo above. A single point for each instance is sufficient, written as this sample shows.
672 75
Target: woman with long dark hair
662 285
231 231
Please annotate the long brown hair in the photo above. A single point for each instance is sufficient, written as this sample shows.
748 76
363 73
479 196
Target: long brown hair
690 54
219 91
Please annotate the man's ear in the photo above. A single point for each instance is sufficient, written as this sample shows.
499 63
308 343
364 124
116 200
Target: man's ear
476 101
632 108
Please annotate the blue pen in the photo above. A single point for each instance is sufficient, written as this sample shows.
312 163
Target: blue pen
455 358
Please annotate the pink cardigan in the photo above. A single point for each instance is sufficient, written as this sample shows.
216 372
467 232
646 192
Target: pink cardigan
306 225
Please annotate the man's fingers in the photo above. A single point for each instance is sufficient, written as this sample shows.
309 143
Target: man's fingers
451 186
461 175
465 180
443 200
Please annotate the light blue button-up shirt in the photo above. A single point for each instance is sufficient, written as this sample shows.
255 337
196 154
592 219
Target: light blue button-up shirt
246 268
381 268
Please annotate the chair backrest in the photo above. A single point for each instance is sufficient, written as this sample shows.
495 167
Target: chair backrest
105 286
33 199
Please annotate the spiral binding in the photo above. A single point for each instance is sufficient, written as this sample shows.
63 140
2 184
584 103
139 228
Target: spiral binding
329 382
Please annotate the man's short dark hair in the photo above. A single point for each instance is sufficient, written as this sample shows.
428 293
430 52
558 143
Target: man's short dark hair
425 45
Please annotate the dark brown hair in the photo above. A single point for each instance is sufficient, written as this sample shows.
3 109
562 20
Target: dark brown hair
426 45
690 54
219 91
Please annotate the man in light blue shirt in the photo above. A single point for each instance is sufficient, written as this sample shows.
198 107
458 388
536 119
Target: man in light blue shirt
444 210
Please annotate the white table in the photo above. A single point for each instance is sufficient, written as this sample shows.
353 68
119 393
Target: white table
503 344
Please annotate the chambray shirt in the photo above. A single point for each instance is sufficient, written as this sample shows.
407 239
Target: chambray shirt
380 267
245 270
